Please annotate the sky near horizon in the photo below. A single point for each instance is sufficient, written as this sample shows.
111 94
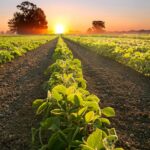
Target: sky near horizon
79 14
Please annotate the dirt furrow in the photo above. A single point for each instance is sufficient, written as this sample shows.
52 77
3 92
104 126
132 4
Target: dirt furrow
122 88
21 82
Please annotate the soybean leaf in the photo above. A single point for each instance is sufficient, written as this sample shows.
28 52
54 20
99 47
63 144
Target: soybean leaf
83 91
57 96
57 112
112 131
60 89
108 111
92 98
95 139
74 115
71 98
37 103
75 99
70 90
78 99
105 120
41 108
89 116
92 105
82 111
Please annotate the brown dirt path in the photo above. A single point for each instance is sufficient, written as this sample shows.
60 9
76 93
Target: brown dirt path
125 90
21 82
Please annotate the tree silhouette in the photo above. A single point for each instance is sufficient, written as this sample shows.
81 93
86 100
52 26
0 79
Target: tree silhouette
98 27
29 20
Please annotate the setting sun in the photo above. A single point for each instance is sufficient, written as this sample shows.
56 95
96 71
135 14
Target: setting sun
59 29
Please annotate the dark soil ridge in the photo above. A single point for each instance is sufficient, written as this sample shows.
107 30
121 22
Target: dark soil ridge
21 82
122 88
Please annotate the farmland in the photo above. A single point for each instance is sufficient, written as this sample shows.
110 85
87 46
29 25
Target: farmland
70 113
76 91
14 46
131 50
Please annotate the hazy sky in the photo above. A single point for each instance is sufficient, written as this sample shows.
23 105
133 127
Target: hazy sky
79 14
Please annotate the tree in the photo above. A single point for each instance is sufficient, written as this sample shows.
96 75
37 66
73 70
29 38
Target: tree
29 20
98 27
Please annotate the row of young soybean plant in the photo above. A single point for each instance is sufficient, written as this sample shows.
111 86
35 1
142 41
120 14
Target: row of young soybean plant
71 116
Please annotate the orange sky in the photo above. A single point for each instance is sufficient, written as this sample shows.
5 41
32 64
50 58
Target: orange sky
79 14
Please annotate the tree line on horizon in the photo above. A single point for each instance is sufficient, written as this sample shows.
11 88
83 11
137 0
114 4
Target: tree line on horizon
31 19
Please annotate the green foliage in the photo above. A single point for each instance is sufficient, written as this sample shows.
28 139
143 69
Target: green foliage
37 103
14 46
108 111
71 116
94 141
89 116
5 56
131 50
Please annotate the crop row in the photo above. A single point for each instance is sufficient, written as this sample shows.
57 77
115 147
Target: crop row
70 116
134 53
14 46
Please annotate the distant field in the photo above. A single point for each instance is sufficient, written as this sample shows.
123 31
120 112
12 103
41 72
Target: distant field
132 50
132 36
14 46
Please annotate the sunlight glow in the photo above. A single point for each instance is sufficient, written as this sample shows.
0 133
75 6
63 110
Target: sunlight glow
59 29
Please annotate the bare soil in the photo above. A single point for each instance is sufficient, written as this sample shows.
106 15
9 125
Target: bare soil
20 84
122 88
